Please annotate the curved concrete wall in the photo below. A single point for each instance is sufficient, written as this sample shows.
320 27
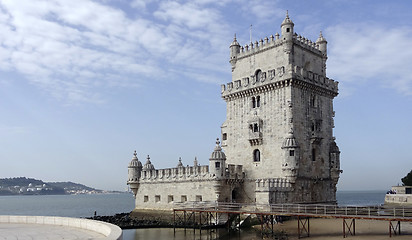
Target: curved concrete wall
112 232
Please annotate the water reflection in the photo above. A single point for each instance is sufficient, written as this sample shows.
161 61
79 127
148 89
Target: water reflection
182 234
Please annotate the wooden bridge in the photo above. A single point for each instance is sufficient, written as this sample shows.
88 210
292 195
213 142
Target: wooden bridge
208 214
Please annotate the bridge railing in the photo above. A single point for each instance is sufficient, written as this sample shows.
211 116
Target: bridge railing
304 209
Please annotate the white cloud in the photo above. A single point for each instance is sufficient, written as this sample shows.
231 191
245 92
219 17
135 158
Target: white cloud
367 52
72 49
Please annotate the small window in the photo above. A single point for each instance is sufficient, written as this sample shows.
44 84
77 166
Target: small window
313 155
253 102
198 198
146 198
287 29
157 198
291 153
256 155
217 165
224 136
255 127
183 198
258 101
170 198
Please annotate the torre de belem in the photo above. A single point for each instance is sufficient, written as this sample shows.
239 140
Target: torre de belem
277 143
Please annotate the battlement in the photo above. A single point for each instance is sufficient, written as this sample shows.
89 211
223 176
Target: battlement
277 78
176 174
182 173
275 41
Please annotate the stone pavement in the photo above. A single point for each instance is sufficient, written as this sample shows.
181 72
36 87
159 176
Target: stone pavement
16 231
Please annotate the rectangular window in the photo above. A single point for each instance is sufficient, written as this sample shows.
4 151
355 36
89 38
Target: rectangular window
170 198
157 198
146 198
217 165
291 153
184 198
198 198
224 136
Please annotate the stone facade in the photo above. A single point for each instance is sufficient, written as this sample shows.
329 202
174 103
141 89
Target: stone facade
278 133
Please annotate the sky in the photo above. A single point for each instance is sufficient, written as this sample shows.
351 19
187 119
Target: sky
85 83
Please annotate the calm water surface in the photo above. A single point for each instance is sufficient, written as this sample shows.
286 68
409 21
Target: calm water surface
110 204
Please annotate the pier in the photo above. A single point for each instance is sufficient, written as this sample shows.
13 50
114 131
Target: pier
209 214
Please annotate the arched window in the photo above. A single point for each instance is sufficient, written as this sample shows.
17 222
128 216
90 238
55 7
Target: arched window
258 75
256 155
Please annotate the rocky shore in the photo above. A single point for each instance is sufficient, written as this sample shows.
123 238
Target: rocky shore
125 221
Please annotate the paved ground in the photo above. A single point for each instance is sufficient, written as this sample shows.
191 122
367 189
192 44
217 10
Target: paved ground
44 232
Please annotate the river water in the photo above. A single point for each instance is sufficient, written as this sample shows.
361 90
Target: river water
110 204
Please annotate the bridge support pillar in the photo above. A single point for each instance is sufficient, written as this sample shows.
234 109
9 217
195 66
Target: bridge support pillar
395 228
350 227
303 226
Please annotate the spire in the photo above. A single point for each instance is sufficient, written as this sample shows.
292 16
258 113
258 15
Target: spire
180 164
320 39
287 20
148 165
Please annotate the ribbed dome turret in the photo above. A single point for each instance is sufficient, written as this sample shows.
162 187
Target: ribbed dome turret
321 39
135 161
290 141
235 43
148 165
217 154
287 20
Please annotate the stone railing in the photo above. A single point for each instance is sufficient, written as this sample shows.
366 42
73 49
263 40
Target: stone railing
112 232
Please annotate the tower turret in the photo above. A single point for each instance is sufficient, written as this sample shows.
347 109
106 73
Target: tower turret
148 165
217 161
291 161
287 28
321 41
234 51
134 173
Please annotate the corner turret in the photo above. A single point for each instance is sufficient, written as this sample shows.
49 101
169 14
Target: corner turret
134 173
234 51
287 28
321 41
217 162
291 160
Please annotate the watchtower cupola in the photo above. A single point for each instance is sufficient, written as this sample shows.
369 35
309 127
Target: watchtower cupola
321 41
234 51
287 28
217 161
134 169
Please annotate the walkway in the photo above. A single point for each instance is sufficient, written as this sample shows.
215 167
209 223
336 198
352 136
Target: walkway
209 213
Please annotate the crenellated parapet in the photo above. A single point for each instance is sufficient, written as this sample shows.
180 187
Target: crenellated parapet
279 77
176 174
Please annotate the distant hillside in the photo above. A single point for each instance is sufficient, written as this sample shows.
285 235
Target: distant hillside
31 186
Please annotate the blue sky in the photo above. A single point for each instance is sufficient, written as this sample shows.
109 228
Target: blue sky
85 83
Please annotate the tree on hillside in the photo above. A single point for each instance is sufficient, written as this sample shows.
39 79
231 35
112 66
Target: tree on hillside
407 180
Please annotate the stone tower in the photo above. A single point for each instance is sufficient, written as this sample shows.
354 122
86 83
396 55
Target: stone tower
279 122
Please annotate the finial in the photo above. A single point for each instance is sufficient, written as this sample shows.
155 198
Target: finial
287 14
291 131
135 153
234 39
217 142
148 158
320 34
